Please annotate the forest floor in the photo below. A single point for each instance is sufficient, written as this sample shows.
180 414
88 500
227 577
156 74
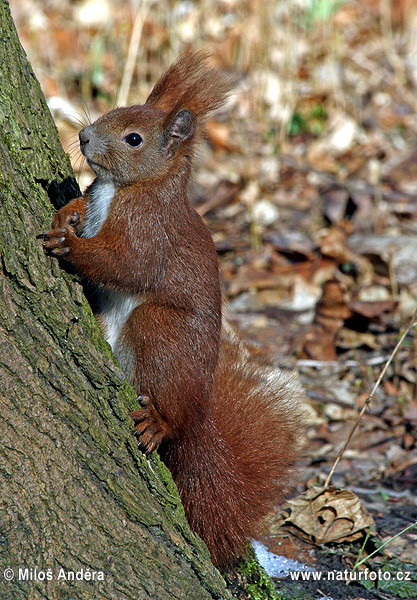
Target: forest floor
308 183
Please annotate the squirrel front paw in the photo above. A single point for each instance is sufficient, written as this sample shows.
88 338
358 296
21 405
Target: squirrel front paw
150 427
57 241
71 216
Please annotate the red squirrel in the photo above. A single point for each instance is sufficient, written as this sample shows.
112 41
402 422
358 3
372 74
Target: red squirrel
226 423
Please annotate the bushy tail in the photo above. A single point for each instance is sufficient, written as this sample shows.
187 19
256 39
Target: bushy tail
233 472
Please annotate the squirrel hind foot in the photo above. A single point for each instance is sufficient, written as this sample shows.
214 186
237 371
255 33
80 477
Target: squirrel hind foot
150 427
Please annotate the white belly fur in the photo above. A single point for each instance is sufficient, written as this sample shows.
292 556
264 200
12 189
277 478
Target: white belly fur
115 306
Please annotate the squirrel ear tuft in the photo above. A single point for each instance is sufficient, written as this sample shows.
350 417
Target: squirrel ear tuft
177 128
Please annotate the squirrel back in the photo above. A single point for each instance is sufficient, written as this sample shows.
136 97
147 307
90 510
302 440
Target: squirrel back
226 424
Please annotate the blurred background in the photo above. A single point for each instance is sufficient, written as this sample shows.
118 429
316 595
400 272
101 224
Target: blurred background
308 182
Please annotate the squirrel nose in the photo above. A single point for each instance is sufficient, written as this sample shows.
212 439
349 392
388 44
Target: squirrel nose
84 137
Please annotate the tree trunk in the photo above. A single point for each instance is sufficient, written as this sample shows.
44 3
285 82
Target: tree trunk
76 493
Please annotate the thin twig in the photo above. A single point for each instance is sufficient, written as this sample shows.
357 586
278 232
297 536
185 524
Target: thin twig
370 397
122 96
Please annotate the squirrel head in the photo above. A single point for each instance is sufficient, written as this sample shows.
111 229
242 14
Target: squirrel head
154 140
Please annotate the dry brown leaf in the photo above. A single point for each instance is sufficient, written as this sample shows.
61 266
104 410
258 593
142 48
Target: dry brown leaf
332 309
224 192
391 255
292 244
250 276
337 201
349 338
334 245
319 344
373 310
324 515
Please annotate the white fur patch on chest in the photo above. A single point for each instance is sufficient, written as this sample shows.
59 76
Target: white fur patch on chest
101 195
114 306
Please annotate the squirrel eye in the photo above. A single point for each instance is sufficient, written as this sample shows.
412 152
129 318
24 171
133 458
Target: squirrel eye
134 139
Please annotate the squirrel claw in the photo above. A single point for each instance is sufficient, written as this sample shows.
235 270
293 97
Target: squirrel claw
56 241
150 428
149 441
138 416
147 449
139 429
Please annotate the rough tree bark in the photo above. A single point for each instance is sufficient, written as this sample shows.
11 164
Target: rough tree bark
75 491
